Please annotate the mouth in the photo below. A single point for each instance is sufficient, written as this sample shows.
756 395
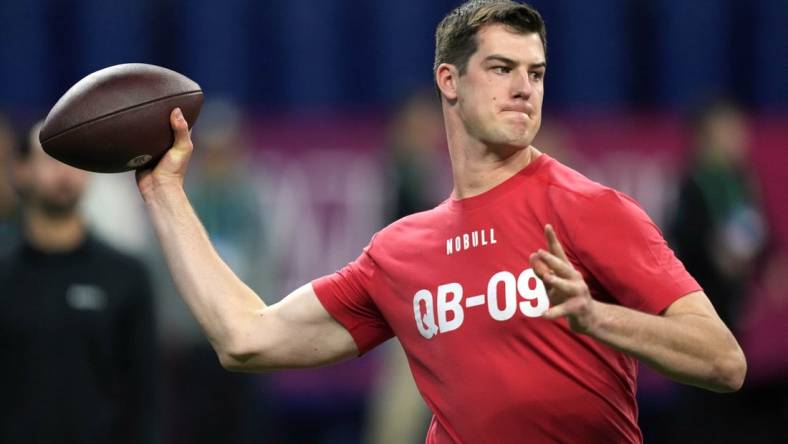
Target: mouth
520 108
517 113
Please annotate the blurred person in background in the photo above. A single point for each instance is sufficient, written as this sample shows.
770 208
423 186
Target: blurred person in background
417 178
224 197
415 172
224 194
8 199
76 321
719 230
558 365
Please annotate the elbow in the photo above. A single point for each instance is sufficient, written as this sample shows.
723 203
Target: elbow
242 357
730 371
232 362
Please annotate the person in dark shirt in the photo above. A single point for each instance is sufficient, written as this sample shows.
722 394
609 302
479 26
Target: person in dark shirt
76 321
719 230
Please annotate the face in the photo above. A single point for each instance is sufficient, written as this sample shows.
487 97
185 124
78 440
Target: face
725 134
50 185
499 97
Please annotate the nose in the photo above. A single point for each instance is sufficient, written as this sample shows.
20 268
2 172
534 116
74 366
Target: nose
521 87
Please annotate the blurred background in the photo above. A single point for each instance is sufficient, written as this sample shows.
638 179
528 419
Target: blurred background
321 126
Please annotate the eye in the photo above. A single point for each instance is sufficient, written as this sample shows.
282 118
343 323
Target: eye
501 69
536 75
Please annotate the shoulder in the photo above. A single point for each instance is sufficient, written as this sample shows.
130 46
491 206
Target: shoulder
570 189
564 179
411 228
583 207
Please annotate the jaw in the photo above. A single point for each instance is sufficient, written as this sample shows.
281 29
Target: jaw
514 130
491 130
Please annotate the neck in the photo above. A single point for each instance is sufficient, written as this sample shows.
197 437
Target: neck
477 168
54 234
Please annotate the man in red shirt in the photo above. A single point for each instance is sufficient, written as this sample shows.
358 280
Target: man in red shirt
522 301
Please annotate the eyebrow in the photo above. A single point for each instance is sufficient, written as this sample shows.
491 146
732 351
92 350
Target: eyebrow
510 62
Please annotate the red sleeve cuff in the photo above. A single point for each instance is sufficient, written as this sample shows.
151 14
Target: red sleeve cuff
367 331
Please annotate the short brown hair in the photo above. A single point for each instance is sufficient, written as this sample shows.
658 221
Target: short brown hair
455 38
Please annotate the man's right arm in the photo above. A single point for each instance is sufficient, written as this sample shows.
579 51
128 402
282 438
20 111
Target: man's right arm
246 334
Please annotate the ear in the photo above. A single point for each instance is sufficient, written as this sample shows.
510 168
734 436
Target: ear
446 78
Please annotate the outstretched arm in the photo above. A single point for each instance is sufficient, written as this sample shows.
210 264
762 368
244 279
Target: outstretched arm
246 334
688 342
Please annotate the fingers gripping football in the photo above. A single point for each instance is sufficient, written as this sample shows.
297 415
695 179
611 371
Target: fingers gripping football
172 166
177 158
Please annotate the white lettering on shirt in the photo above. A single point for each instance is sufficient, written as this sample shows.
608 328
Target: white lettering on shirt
425 322
446 306
501 301
473 239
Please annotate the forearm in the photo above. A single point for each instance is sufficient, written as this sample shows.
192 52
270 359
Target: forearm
220 302
689 348
244 332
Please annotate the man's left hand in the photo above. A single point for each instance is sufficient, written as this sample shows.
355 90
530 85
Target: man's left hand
566 289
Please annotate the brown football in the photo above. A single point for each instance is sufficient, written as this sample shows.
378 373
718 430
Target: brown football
118 119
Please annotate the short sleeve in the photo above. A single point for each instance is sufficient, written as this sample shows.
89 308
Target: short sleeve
346 296
626 253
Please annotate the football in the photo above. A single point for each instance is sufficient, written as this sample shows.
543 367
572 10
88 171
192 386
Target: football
118 119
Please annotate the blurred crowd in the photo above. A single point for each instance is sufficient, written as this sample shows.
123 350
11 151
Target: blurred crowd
280 212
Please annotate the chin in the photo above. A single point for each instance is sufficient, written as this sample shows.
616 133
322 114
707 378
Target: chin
521 139
509 134
519 131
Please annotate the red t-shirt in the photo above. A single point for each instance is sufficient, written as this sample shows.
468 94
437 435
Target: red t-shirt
455 286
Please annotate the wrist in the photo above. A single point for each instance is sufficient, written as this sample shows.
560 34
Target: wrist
589 319
161 190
